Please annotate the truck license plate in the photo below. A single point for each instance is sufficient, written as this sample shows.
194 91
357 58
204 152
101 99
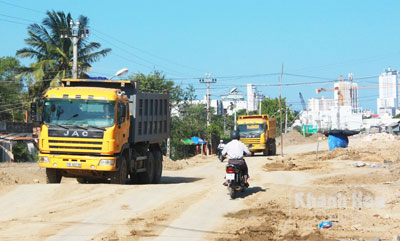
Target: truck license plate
230 176
74 164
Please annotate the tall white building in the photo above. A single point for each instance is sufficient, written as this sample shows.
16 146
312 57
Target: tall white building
254 97
388 100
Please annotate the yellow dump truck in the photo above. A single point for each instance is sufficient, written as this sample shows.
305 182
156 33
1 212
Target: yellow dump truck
258 133
103 130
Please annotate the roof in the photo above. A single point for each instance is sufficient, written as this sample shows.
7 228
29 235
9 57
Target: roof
96 93
97 80
17 137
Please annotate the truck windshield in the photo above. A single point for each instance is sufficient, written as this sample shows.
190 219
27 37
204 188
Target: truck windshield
250 129
79 112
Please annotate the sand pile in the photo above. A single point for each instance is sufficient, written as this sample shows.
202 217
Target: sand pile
169 164
379 137
294 138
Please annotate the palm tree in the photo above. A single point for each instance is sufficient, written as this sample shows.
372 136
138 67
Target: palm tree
53 54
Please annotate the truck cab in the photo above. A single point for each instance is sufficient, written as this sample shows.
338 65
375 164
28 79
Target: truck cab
258 133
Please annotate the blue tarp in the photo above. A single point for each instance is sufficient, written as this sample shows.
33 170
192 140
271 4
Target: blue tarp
197 140
337 140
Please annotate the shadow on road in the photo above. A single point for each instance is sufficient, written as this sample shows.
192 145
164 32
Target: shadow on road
250 191
175 180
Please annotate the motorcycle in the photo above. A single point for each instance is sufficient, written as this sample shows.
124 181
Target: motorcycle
220 156
235 180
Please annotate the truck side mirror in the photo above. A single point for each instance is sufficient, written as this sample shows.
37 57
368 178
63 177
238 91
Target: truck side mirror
33 111
40 102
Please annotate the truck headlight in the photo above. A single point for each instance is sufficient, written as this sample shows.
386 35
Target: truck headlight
44 159
262 145
106 162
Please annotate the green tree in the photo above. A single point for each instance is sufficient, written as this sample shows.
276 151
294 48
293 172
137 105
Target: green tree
53 55
21 154
192 122
271 107
12 94
155 82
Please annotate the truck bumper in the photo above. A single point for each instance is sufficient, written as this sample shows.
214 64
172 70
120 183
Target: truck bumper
93 163
256 147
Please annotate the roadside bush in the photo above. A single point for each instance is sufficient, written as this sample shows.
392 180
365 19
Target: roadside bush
21 153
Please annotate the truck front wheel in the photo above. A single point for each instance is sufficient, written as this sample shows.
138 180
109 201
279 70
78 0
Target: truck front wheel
53 175
120 176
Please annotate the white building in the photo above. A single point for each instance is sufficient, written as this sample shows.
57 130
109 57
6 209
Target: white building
320 104
346 94
340 113
233 101
388 100
317 113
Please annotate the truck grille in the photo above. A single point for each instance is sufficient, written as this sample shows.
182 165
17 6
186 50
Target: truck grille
71 146
250 140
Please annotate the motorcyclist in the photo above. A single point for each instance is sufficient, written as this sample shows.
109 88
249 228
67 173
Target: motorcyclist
220 147
235 149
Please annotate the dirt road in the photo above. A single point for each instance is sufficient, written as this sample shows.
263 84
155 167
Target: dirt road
186 206
191 203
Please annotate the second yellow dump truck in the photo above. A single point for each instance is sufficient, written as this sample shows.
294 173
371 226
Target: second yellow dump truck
258 133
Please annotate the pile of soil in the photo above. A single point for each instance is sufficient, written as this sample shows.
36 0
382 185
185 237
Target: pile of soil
265 223
295 137
21 173
171 165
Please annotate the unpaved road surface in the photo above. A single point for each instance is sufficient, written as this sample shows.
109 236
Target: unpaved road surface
191 203
188 205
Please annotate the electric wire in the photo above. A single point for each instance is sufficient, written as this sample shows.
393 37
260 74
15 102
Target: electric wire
146 52
142 59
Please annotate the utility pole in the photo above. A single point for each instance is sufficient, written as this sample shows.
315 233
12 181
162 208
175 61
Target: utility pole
74 33
208 80
280 109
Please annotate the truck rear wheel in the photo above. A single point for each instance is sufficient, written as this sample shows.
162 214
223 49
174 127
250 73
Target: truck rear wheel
273 148
158 159
81 180
120 176
53 175
147 176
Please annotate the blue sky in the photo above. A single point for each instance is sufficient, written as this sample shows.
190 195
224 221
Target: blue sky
185 39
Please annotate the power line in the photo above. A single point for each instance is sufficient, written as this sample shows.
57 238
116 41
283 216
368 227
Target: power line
146 52
15 108
18 6
138 57
22 19
10 21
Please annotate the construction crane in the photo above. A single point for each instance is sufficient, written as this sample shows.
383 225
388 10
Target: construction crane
303 103
337 88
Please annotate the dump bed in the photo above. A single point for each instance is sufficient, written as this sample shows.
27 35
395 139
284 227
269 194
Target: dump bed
150 114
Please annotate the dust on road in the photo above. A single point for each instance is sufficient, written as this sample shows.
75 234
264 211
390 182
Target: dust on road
289 196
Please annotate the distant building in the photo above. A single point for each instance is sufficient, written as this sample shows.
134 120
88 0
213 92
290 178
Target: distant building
320 104
388 100
346 94
231 102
